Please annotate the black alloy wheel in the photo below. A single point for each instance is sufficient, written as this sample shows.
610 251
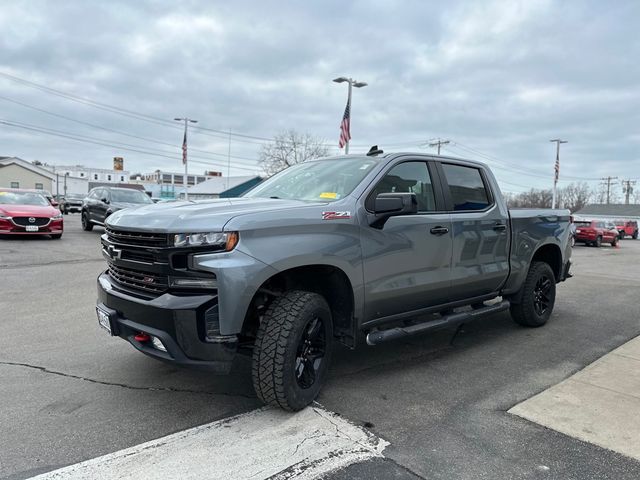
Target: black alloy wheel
87 226
310 353
541 295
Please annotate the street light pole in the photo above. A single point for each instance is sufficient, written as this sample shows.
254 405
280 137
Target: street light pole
184 151
352 83
556 170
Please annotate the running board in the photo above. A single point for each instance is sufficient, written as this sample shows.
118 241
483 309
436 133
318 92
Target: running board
379 336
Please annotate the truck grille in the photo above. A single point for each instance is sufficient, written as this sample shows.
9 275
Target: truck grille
142 239
24 221
138 280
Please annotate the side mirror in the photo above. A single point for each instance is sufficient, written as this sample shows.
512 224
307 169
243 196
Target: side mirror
387 205
104 200
54 203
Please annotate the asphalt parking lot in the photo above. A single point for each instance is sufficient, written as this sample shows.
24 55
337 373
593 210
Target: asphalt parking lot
70 393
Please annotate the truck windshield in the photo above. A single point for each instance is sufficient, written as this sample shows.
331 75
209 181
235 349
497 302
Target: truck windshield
321 180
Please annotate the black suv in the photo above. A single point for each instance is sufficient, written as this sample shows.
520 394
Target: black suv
103 201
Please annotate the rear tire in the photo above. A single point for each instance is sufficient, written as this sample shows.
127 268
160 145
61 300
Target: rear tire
87 226
635 235
538 296
292 350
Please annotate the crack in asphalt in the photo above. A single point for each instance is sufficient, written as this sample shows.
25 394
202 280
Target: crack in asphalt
8 266
122 385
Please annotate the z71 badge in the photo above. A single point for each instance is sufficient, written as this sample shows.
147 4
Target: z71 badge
336 215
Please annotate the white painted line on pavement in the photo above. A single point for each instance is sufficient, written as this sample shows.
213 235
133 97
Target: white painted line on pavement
256 445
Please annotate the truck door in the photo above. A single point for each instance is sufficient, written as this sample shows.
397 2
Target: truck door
407 263
481 232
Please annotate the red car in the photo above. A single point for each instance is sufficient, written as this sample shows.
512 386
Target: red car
628 228
25 212
594 232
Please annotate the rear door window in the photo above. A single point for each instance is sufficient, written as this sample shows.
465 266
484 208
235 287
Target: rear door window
467 188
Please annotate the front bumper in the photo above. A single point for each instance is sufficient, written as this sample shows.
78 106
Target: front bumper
54 227
178 321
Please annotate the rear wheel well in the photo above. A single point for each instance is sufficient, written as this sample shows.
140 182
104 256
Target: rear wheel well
326 280
551 255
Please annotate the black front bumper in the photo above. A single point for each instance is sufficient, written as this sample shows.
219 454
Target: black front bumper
176 320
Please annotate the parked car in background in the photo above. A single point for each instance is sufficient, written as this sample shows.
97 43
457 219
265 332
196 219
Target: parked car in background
28 212
71 203
595 232
627 228
45 193
103 201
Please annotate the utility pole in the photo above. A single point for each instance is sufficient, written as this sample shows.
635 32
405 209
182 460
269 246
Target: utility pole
556 170
184 151
607 181
627 188
438 144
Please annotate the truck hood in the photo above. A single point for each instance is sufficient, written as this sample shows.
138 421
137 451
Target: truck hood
199 216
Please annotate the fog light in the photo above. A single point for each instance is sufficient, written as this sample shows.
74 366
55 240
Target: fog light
187 282
158 345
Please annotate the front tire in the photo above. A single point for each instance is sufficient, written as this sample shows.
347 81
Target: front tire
614 242
292 350
598 242
538 296
87 226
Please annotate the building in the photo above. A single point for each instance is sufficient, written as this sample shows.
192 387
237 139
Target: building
611 212
101 175
164 184
220 187
18 173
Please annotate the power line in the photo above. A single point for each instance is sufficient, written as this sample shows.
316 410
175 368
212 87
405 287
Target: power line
608 181
84 139
627 189
119 132
439 143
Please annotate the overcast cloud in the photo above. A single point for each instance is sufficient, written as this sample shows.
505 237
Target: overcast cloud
499 77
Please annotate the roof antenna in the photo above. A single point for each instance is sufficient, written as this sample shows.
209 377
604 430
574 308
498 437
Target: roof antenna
374 150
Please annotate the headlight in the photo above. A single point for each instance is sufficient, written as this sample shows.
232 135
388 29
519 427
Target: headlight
57 217
226 241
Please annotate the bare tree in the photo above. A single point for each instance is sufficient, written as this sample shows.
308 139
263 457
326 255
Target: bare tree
289 148
534 198
575 196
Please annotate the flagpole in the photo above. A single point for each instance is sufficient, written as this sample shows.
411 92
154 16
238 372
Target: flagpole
186 161
184 153
346 145
556 172
352 83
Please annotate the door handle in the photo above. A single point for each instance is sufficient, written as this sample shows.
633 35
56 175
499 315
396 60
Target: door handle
499 227
439 230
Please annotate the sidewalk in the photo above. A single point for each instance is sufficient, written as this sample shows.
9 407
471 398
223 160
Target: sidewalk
600 404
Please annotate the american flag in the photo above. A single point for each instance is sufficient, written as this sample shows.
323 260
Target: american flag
345 131
184 148
557 168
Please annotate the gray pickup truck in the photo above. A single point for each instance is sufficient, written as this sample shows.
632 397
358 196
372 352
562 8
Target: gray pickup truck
373 247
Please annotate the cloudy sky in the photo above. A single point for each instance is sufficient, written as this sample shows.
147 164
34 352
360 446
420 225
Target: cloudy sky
499 79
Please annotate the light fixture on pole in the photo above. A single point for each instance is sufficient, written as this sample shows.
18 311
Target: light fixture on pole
556 171
345 126
184 151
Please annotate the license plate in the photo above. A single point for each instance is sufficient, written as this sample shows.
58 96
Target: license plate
103 320
31 228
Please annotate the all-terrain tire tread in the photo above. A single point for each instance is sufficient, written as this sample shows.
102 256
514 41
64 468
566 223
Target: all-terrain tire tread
271 343
522 312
